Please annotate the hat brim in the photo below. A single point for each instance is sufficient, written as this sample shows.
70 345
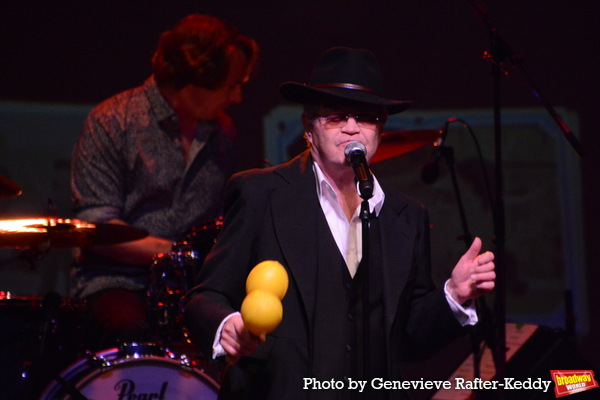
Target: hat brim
301 93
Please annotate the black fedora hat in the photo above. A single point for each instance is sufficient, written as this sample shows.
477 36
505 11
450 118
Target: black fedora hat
346 74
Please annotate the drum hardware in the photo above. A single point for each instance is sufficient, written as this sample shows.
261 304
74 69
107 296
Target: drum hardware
203 238
135 350
172 276
126 351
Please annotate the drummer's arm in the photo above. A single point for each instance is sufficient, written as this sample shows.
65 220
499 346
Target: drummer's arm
99 188
136 252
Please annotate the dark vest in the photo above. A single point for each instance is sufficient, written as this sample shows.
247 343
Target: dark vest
338 339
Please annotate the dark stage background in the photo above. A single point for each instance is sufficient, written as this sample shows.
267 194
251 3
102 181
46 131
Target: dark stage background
75 54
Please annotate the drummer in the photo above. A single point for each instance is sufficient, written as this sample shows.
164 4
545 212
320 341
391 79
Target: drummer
156 157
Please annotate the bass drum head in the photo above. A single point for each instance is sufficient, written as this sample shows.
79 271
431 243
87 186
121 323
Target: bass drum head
110 376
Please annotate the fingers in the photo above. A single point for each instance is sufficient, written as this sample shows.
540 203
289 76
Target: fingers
482 274
481 288
485 258
483 278
238 341
485 287
484 267
473 275
241 346
238 349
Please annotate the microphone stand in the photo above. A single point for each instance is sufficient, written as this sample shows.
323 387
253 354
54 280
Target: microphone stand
365 216
355 153
499 53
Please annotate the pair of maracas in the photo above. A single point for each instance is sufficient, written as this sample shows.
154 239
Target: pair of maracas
266 285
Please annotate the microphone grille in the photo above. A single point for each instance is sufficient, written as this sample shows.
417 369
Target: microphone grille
354 146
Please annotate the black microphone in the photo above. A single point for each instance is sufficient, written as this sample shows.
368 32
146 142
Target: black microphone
431 170
356 153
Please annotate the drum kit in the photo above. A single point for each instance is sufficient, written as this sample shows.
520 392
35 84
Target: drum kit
40 356
46 363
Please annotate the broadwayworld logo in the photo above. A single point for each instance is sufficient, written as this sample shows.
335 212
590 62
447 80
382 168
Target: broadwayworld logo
571 382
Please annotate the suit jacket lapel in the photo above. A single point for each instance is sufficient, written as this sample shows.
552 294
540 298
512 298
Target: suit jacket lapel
296 230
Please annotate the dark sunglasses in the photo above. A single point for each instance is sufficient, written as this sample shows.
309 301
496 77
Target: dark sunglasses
365 120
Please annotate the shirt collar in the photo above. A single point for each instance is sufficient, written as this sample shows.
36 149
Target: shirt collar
164 114
167 118
325 190
159 104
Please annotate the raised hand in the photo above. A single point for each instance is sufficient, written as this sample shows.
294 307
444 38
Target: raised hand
473 275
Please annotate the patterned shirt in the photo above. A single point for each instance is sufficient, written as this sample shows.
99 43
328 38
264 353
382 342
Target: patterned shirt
128 163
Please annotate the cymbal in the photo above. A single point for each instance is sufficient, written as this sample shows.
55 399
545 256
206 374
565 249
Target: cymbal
8 188
63 233
396 143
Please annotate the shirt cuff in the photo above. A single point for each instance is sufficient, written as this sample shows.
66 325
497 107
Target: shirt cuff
99 214
464 314
218 350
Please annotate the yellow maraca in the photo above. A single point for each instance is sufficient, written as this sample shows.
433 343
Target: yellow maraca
262 312
269 276
266 286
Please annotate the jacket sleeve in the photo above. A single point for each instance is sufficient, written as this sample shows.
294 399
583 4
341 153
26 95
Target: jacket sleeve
429 324
220 284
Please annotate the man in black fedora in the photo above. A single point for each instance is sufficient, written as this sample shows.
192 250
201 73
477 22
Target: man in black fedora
311 215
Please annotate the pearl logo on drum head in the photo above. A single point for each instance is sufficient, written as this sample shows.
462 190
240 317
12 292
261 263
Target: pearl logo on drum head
126 390
132 372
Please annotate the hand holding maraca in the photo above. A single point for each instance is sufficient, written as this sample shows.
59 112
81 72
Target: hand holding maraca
261 310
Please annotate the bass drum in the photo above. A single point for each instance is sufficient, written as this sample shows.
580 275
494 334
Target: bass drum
133 372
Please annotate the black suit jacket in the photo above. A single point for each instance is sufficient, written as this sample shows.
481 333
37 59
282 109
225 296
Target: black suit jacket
271 214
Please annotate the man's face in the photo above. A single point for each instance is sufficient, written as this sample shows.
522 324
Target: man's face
206 104
334 127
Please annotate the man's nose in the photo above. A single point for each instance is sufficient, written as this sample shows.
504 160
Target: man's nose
351 126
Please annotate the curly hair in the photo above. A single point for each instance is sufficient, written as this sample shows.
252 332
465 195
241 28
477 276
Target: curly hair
197 51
